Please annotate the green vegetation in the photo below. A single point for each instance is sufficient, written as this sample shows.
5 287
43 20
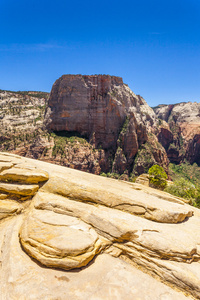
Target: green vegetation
186 179
110 175
125 125
123 130
59 147
144 159
186 171
36 94
173 146
185 189
68 137
113 175
157 177
61 139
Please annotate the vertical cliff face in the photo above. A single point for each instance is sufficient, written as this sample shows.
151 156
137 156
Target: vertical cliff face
93 106
181 138
117 124
114 119
105 110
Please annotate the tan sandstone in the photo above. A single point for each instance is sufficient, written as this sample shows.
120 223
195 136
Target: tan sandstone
24 175
24 190
97 238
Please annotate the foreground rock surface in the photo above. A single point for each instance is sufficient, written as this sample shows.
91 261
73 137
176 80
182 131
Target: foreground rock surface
82 236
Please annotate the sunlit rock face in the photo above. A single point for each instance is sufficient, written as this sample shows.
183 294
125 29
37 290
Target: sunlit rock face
63 230
101 108
94 106
181 139
100 125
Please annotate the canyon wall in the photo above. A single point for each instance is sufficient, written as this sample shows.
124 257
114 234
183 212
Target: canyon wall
105 111
180 131
97 124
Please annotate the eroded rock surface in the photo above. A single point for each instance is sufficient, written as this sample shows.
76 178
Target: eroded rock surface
82 228
94 106
99 125
59 241
181 138
105 111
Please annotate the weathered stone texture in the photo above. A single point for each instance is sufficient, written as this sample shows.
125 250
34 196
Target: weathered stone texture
108 227
181 140
103 109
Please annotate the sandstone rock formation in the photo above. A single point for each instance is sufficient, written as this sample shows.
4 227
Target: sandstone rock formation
181 138
99 125
94 106
21 111
105 110
115 123
92 234
143 179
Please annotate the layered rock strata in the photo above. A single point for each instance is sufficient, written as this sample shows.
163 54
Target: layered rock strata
78 220
105 111
182 137
99 125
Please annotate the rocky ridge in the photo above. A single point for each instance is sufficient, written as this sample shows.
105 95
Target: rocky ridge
23 132
21 111
100 227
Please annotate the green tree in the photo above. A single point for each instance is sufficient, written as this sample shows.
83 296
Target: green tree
157 177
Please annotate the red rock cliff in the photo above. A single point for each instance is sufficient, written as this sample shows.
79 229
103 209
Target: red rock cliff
105 110
94 106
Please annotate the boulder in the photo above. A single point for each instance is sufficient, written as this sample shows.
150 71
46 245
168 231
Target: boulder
143 179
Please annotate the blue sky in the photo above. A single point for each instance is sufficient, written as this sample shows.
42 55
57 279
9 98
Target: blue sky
153 45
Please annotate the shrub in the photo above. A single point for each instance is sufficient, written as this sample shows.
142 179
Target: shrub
183 188
103 174
157 177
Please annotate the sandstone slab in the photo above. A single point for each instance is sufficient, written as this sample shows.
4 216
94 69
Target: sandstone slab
96 227
154 238
108 192
19 189
9 208
24 175
10 158
5 165
151 245
105 278
59 241
143 179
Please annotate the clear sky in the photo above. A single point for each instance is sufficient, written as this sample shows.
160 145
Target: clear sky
153 45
